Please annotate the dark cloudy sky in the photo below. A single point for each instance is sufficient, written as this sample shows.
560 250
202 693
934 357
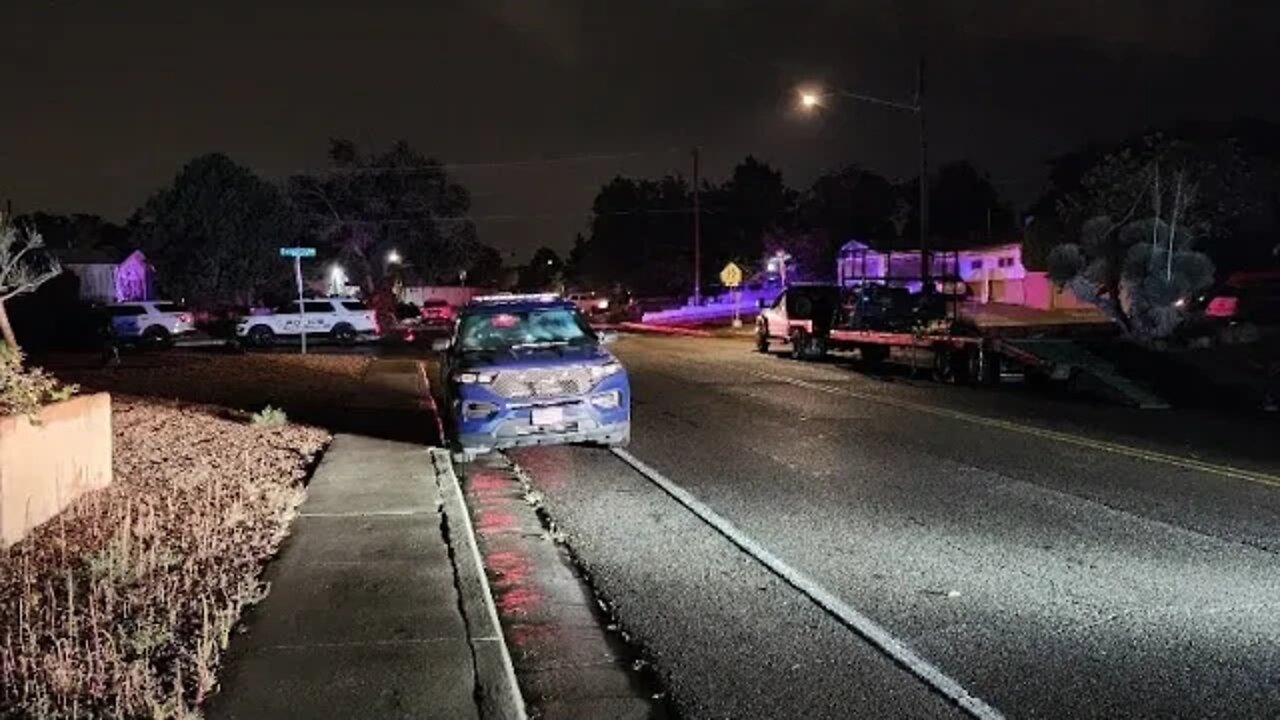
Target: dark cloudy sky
105 100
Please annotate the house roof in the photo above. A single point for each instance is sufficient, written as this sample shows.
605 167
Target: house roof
93 256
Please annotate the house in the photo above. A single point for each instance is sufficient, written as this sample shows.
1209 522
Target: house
109 276
992 273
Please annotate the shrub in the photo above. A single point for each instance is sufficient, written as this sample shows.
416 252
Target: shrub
23 390
269 417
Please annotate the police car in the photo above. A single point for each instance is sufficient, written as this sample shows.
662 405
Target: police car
529 370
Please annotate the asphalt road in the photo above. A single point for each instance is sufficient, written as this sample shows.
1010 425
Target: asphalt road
1054 559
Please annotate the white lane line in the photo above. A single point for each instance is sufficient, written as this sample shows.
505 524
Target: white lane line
851 618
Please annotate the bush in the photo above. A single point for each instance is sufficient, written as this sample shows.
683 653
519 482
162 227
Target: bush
23 390
269 417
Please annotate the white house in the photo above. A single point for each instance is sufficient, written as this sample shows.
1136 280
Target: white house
109 276
993 273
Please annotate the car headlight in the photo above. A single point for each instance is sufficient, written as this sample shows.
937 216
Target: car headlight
602 305
473 378
600 372
607 401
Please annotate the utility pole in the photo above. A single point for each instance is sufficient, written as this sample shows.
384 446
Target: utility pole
697 233
924 178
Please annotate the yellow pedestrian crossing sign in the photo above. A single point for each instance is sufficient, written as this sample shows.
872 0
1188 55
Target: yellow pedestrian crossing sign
731 275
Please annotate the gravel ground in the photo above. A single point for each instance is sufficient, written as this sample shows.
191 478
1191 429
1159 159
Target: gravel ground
121 606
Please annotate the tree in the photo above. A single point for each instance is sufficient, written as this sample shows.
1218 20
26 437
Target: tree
1138 269
847 204
364 206
78 231
24 266
214 234
544 273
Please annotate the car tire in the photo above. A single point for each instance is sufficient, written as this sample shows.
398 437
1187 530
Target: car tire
156 338
762 338
799 345
260 336
343 334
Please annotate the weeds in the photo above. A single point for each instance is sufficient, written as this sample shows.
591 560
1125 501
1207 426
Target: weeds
123 606
269 417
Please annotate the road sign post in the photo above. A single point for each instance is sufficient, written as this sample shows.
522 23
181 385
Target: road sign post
297 253
731 277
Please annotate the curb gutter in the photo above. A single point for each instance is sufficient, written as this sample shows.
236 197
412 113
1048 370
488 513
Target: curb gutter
497 692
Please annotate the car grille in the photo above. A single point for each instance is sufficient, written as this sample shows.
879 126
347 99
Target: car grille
542 382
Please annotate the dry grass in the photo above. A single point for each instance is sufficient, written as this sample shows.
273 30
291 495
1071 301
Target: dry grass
247 382
122 606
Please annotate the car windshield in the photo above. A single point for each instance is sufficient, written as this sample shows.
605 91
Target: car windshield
517 329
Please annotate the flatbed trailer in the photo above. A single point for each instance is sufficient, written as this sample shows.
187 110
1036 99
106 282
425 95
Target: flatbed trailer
952 350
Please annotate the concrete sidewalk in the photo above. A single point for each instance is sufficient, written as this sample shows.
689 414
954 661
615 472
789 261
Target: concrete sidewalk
364 617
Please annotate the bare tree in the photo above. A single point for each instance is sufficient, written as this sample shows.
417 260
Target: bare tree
24 266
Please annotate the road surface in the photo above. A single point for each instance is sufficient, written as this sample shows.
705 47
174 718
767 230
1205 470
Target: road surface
1047 558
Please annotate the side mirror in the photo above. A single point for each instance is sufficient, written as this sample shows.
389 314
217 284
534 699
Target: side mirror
607 337
441 344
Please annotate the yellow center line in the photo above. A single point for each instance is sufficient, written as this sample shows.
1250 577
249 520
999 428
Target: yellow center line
1062 437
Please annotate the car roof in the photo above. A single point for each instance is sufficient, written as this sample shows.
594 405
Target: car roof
500 303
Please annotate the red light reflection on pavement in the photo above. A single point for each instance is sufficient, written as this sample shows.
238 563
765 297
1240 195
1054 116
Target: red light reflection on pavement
491 521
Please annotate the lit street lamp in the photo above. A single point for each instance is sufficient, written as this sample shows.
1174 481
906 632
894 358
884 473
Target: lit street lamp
393 257
337 280
811 99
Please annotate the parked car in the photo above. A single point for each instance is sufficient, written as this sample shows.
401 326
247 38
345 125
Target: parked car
529 370
153 322
437 312
1239 306
342 320
801 310
590 304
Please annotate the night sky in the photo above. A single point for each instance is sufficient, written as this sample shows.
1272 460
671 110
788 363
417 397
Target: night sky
105 100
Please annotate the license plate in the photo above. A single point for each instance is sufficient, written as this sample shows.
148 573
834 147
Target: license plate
547 416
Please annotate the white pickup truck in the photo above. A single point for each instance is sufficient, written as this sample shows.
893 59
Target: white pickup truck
344 321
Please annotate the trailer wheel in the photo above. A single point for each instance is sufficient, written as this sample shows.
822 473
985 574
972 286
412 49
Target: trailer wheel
873 356
943 365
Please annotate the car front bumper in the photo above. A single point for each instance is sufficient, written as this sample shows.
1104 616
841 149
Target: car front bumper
511 423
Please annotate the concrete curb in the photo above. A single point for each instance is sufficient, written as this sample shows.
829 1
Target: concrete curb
497 692
665 329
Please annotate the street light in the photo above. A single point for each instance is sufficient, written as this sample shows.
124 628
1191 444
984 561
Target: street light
393 257
811 100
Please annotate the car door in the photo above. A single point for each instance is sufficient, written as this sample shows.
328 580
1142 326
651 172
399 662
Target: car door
775 317
320 317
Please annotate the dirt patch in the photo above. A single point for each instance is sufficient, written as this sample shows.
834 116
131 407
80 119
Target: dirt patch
122 606
246 382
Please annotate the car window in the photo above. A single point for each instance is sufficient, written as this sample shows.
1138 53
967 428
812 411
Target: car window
317 307
126 310
353 306
169 307
434 303
523 328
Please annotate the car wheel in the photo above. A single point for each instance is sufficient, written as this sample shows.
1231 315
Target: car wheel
156 338
343 334
799 344
261 336
762 338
